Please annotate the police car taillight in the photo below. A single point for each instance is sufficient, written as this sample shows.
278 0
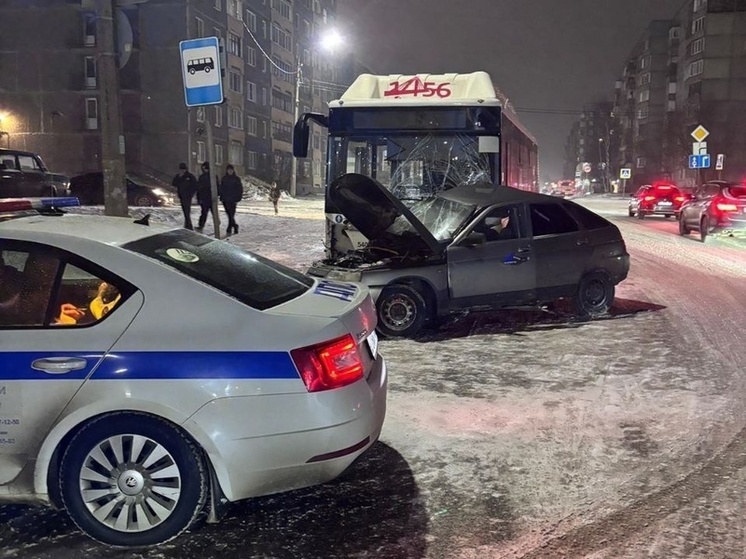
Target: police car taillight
330 365
8 205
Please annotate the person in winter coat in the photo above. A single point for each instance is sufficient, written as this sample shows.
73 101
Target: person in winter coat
231 193
186 187
274 195
204 195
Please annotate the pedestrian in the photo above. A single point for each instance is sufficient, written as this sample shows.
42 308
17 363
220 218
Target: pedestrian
274 195
186 187
231 193
204 195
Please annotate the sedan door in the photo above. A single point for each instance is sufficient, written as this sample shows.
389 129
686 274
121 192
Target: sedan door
492 262
35 179
561 248
11 177
46 354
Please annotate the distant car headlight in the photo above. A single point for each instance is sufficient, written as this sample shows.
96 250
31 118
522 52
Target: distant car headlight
160 192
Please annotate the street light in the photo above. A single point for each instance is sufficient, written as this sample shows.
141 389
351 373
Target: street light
330 41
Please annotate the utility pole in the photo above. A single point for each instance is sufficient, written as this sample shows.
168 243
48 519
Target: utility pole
296 116
110 113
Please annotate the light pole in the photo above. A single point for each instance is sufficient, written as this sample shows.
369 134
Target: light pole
329 42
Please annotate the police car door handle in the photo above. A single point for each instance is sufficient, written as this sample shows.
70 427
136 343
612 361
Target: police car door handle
59 365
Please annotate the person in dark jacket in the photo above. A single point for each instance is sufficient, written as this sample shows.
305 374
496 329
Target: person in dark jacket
204 195
274 194
186 187
231 193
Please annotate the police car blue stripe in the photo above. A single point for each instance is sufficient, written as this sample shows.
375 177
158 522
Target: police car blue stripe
145 365
236 365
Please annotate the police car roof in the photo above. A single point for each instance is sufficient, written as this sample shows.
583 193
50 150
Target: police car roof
486 194
103 229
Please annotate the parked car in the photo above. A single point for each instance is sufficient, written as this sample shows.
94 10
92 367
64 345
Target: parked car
473 247
717 208
149 373
89 189
23 173
657 199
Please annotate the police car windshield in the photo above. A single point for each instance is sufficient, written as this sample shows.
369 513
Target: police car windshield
253 280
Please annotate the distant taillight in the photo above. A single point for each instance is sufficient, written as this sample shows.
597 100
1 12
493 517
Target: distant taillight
649 198
724 207
680 198
330 365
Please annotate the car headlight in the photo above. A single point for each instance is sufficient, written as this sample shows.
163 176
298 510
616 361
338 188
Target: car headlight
160 192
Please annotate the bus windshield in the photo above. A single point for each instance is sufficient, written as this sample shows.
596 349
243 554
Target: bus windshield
413 166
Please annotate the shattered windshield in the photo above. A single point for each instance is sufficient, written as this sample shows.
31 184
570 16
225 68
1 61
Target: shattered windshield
442 218
414 166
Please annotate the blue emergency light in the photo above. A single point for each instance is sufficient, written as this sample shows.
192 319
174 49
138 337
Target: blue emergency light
39 204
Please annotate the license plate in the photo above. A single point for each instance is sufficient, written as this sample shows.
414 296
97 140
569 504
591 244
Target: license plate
373 343
665 203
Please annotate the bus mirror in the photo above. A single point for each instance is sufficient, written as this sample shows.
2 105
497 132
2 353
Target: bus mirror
301 137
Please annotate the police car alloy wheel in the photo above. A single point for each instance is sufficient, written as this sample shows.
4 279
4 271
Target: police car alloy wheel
130 479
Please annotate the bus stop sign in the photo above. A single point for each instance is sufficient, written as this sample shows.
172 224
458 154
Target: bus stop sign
200 68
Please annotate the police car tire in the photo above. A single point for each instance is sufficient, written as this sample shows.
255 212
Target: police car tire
409 297
186 456
595 295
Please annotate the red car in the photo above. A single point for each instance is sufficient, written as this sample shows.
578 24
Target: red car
657 199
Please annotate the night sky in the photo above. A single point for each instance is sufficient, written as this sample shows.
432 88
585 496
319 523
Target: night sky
543 54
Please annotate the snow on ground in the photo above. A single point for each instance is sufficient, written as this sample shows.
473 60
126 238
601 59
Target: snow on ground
521 433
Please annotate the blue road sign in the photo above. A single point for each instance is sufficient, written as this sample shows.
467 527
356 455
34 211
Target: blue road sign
700 161
200 67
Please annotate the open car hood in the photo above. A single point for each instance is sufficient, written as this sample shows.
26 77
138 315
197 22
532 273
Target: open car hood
377 214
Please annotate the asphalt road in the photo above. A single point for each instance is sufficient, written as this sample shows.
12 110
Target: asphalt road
518 434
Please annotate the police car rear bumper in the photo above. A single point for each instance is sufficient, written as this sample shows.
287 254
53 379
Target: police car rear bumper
315 438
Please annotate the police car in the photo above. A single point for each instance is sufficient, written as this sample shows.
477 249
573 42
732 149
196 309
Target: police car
148 373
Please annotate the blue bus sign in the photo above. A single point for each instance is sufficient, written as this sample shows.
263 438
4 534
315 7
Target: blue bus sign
200 68
700 161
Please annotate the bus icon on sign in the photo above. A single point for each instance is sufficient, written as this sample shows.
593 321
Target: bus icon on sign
200 65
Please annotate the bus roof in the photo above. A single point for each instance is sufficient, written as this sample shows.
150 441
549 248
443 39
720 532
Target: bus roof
419 90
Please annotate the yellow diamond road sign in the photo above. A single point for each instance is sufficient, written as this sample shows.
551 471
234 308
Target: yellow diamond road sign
700 133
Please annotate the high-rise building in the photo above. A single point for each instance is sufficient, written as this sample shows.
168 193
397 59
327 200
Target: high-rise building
52 96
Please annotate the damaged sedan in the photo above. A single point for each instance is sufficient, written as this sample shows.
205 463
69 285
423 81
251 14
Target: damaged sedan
473 247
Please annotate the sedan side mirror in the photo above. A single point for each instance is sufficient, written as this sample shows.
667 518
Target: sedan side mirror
474 239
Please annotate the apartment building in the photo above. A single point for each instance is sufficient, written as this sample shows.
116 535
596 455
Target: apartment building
50 94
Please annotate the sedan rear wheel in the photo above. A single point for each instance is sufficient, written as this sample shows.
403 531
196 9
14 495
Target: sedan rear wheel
132 480
640 215
402 311
595 294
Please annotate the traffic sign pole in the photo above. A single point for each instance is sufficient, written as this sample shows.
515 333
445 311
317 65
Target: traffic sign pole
213 173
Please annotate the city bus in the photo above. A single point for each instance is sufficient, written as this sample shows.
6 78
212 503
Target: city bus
417 136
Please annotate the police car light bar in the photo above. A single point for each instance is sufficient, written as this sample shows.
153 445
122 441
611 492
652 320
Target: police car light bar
39 204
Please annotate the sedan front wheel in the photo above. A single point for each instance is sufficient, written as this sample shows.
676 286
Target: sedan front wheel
402 311
130 479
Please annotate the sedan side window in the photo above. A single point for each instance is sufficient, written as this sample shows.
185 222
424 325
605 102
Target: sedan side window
28 163
500 224
38 288
83 298
551 219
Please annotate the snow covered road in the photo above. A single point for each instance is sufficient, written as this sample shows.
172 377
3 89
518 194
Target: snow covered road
517 434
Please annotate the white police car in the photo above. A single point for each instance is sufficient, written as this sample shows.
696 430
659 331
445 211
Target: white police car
145 370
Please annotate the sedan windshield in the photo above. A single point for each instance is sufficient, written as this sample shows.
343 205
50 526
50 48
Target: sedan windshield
253 280
441 217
